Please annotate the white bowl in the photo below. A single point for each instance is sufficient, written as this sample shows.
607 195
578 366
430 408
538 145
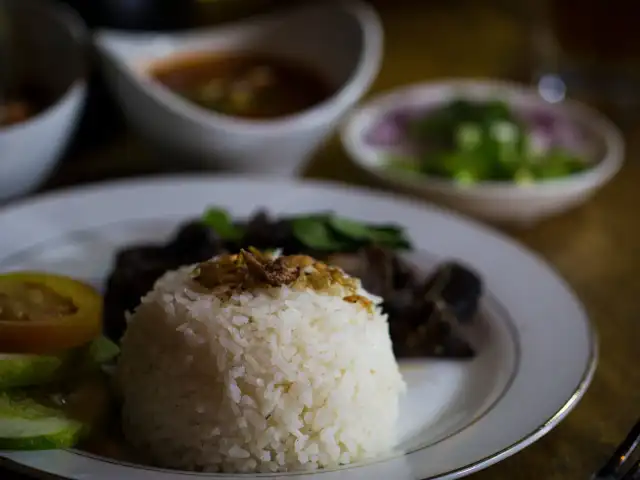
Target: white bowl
51 41
501 202
341 40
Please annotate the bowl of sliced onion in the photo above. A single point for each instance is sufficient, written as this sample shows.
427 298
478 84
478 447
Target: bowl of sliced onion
491 149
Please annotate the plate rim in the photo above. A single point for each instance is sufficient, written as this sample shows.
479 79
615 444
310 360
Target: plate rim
156 180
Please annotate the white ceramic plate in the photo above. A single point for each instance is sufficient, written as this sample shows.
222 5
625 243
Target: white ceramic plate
537 348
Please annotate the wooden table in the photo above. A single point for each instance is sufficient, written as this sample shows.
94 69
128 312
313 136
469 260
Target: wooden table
596 248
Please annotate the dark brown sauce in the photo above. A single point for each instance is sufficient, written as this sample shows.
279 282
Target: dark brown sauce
246 85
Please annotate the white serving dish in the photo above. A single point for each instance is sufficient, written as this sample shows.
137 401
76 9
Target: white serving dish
341 40
502 202
537 350
52 45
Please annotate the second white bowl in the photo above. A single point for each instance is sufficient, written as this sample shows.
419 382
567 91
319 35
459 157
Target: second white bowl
502 202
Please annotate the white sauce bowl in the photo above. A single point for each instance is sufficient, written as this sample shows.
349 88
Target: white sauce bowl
341 40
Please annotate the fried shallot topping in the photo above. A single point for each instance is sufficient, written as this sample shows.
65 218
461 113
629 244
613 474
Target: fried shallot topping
272 272
251 269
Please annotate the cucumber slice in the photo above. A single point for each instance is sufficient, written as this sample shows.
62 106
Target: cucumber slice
28 425
18 370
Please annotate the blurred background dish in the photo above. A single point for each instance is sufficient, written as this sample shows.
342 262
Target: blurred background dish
197 95
103 120
42 90
491 149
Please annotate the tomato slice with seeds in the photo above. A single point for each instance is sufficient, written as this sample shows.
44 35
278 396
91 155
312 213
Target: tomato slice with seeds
46 313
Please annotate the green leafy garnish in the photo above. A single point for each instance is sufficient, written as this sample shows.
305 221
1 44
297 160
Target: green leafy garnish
322 232
350 228
390 236
471 142
220 221
314 232
332 232
382 235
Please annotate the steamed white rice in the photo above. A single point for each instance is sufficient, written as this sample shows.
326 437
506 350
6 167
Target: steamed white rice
273 380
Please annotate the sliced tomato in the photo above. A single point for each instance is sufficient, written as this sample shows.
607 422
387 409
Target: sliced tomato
45 313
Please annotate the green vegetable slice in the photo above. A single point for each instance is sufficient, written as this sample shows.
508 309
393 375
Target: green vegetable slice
17 370
28 425
22 370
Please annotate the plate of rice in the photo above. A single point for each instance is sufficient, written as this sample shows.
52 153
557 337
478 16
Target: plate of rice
261 363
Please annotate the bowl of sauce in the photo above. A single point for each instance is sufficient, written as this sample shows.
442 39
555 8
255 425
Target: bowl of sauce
256 96
45 92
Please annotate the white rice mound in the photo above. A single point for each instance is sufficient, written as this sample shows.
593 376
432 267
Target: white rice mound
272 380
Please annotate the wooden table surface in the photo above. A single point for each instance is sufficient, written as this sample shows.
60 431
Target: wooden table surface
596 248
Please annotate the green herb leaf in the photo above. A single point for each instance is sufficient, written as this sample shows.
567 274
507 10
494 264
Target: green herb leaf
315 233
350 228
390 229
332 232
221 222
390 237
